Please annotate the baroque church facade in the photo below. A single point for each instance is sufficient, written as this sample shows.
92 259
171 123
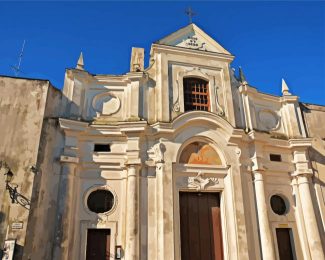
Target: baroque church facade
181 160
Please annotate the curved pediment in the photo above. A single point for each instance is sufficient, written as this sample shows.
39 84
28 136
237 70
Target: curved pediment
199 118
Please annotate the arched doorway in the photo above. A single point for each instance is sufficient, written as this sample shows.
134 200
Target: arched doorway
200 217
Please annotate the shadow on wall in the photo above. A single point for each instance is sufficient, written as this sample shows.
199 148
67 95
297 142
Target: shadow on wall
2 217
318 164
318 160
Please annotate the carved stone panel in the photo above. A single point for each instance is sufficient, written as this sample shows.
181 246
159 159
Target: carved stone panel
268 119
156 152
199 182
106 104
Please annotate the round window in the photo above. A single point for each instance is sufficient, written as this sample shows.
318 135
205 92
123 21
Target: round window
100 201
278 205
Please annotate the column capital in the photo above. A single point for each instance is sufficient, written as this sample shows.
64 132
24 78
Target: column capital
258 164
305 173
132 163
132 169
303 178
258 175
69 159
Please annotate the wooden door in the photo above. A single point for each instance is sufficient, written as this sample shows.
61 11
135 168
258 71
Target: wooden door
201 237
284 243
98 244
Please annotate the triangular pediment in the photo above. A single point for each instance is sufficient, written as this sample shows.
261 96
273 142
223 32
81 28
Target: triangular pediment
192 37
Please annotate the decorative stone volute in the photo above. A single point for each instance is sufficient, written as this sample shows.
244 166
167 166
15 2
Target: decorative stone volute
156 152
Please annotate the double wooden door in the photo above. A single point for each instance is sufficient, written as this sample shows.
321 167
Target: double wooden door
98 244
201 237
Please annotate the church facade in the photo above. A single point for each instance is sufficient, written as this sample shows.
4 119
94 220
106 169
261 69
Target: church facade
181 160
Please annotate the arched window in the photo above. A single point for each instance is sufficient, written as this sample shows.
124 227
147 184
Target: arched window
200 153
196 94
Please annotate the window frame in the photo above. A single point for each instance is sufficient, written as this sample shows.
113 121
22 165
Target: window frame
197 84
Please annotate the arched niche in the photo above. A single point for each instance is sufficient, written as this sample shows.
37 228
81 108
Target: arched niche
199 153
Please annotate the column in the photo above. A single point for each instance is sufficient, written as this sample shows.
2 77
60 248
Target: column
132 214
165 211
312 232
160 210
266 237
64 226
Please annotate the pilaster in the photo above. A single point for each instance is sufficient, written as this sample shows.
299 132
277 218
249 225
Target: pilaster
302 176
266 238
132 216
244 91
290 116
64 225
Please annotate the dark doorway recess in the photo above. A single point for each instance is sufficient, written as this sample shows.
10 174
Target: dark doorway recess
285 242
98 244
200 221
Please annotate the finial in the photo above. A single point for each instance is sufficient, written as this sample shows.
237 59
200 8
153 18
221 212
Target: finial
80 63
190 13
285 89
242 77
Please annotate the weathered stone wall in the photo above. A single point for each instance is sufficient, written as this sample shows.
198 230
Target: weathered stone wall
314 117
42 217
22 105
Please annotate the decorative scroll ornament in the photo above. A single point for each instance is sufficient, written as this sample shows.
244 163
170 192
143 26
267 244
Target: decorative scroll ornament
156 152
102 219
176 106
200 183
220 110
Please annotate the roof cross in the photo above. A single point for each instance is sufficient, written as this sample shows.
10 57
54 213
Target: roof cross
190 13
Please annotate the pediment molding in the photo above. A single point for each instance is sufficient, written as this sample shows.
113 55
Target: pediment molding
192 37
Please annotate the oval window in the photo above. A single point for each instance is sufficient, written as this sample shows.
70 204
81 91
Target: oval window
278 205
100 201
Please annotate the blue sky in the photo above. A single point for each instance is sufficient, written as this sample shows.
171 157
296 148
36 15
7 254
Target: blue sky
270 40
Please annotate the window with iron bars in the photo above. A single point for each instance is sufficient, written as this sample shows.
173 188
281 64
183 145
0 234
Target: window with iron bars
196 94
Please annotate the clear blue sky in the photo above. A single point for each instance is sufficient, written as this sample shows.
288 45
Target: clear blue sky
270 40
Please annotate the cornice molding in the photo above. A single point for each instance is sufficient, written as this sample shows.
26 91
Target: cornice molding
300 143
72 125
191 52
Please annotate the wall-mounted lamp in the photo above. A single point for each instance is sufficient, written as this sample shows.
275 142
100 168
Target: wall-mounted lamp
12 190
15 196
9 176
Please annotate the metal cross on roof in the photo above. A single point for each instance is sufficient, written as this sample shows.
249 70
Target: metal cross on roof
16 69
190 13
